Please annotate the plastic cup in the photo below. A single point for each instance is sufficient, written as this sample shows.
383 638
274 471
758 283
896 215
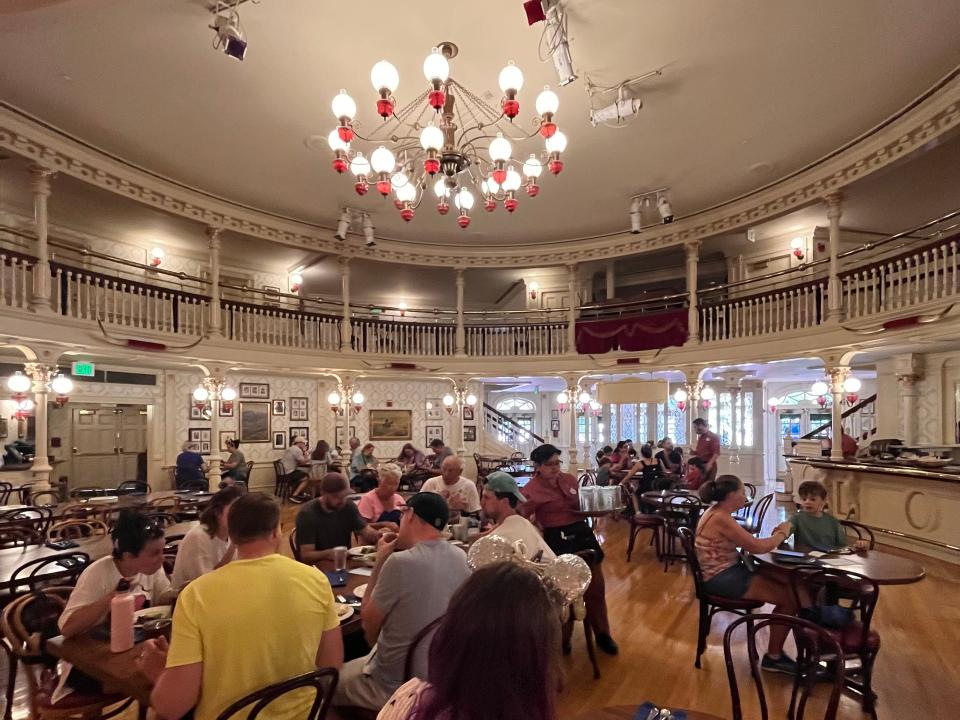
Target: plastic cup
340 558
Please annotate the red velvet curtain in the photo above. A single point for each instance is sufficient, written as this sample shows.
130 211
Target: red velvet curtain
633 334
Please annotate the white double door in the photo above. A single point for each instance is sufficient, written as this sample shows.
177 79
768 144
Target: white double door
106 442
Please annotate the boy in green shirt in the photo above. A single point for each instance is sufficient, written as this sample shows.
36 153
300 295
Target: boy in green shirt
814 528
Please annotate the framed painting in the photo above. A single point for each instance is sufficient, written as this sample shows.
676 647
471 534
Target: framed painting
200 437
434 432
255 422
299 409
434 409
299 431
555 426
469 433
224 436
391 425
199 411
279 440
341 441
280 407
468 413
254 391
225 409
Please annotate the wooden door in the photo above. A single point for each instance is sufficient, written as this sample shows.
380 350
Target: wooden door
94 447
132 433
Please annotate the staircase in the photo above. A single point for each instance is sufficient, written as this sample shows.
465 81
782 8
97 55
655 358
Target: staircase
503 436
853 429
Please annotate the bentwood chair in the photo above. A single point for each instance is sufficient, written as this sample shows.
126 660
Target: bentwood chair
45 498
134 487
814 646
74 528
27 623
6 490
282 487
323 682
710 605
640 521
60 570
753 523
590 557
859 531
38 518
12 536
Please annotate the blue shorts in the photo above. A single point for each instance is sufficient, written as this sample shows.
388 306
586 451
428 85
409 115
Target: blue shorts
730 583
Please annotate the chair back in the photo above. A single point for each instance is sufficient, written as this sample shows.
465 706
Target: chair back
323 682
421 639
294 545
249 470
759 511
38 518
162 504
850 590
688 541
163 519
14 535
859 531
74 528
278 469
58 570
814 645
588 478
751 490
6 490
25 490
45 498
134 487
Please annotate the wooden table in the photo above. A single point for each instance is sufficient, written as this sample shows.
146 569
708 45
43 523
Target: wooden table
627 712
880 567
96 547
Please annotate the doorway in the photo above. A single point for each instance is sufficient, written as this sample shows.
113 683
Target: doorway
108 441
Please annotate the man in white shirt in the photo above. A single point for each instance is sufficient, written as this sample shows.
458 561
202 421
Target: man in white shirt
459 492
499 502
296 466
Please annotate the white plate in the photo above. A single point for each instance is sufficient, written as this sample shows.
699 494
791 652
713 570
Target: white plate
358 552
157 612
344 612
359 590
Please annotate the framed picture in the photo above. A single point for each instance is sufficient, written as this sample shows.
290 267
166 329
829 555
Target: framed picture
225 409
255 422
302 431
467 413
554 414
555 426
299 409
279 407
434 432
279 440
224 436
391 425
341 441
434 409
271 295
199 412
255 391
469 433
201 438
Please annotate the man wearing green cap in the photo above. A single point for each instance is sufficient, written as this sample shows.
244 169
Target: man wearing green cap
499 502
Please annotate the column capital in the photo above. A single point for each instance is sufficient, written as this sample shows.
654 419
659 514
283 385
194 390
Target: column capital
834 203
40 177
41 374
213 234
344 262
692 249
837 375
459 270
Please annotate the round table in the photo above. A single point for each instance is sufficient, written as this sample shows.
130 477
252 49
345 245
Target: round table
880 567
627 712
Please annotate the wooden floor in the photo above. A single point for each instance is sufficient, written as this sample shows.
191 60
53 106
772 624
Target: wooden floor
654 619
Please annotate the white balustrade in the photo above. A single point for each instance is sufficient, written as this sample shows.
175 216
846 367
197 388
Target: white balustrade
16 277
770 313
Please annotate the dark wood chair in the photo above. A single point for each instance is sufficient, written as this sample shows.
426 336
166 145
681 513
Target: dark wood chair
25 491
859 531
38 518
753 523
860 643
81 512
814 645
640 521
282 488
710 605
295 546
13 536
59 570
45 498
323 682
678 511
6 490
590 557
74 528
134 487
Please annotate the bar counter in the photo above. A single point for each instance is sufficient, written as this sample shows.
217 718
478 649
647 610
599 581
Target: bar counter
909 507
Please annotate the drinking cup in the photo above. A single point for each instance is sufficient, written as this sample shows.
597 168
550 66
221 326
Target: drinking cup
340 558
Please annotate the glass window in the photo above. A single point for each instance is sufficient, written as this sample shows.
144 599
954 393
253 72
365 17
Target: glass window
747 416
614 431
643 432
582 429
510 406
790 424
725 428
711 418
676 424
661 421
628 421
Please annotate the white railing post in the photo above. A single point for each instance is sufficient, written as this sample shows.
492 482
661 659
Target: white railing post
346 332
216 323
572 308
692 252
460 349
40 295
834 211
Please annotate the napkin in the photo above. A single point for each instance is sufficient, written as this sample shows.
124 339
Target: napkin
643 712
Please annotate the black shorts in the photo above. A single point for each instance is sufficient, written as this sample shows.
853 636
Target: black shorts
573 538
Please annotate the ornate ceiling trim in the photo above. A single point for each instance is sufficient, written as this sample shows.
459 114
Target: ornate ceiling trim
936 113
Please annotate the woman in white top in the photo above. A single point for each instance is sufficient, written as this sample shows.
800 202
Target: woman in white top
136 565
206 547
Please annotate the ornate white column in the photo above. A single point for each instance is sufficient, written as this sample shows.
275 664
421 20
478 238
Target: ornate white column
837 376
692 251
834 298
572 390
572 309
611 280
693 408
216 322
346 331
41 375
460 339
40 294
907 387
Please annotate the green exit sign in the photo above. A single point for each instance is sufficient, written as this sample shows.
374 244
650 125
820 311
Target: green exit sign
82 368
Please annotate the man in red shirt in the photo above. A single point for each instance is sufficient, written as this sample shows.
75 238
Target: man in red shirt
708 448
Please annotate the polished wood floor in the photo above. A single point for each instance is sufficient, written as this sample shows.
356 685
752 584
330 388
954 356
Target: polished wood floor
654 616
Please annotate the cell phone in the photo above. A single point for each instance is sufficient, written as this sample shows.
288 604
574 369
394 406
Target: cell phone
337 578
788 553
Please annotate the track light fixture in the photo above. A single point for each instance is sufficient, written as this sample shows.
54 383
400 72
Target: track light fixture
229 36
555 38
645 201
617 113
636 215
368 231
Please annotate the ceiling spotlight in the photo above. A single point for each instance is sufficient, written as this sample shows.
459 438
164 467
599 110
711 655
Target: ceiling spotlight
343 225
368 230
636 216
665 209
616 112
555 34
229 38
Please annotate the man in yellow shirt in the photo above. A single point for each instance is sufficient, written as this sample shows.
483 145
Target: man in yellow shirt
261 619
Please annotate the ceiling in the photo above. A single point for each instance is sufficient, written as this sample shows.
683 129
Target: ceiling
750 91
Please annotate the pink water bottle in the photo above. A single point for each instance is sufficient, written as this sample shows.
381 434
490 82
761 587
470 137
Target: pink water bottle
121 623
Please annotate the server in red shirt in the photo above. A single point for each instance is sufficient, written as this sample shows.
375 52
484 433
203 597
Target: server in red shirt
553 499
708 448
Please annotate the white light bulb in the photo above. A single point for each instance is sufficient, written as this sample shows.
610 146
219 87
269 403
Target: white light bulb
440 189
594 405
334 398
557 142
796 243
500 148
382 160
584 397
513 180
511 78
436 67
533 286
335 143
532 167
228 394
448 400
405 193
384 76
296 279
201 394
399 179
431 138
61 385
852 384
493 187
773 401
157 253
360 165
358 398
563 398
343 106
471 399
547 101
819 388
680 395
463 199
708 393
18 382
402 306
25 405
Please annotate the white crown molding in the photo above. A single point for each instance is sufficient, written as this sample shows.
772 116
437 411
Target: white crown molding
935 114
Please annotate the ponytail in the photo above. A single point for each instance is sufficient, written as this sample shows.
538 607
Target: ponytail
717 490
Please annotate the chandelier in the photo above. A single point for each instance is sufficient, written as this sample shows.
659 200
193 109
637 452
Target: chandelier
447 139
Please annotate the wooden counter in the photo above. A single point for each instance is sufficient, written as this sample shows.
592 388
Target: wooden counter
907 507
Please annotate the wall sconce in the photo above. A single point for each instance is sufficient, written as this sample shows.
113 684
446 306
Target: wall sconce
707 396
852 386
563 400
772 404
534 287
296 282
797 246
680 398
156 257
402 306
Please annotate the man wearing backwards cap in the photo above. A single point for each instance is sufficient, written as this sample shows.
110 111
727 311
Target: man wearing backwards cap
293 459
413 580
499 502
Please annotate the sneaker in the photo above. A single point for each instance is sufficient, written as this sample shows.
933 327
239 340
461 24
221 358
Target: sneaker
297 499
782 664
606 643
